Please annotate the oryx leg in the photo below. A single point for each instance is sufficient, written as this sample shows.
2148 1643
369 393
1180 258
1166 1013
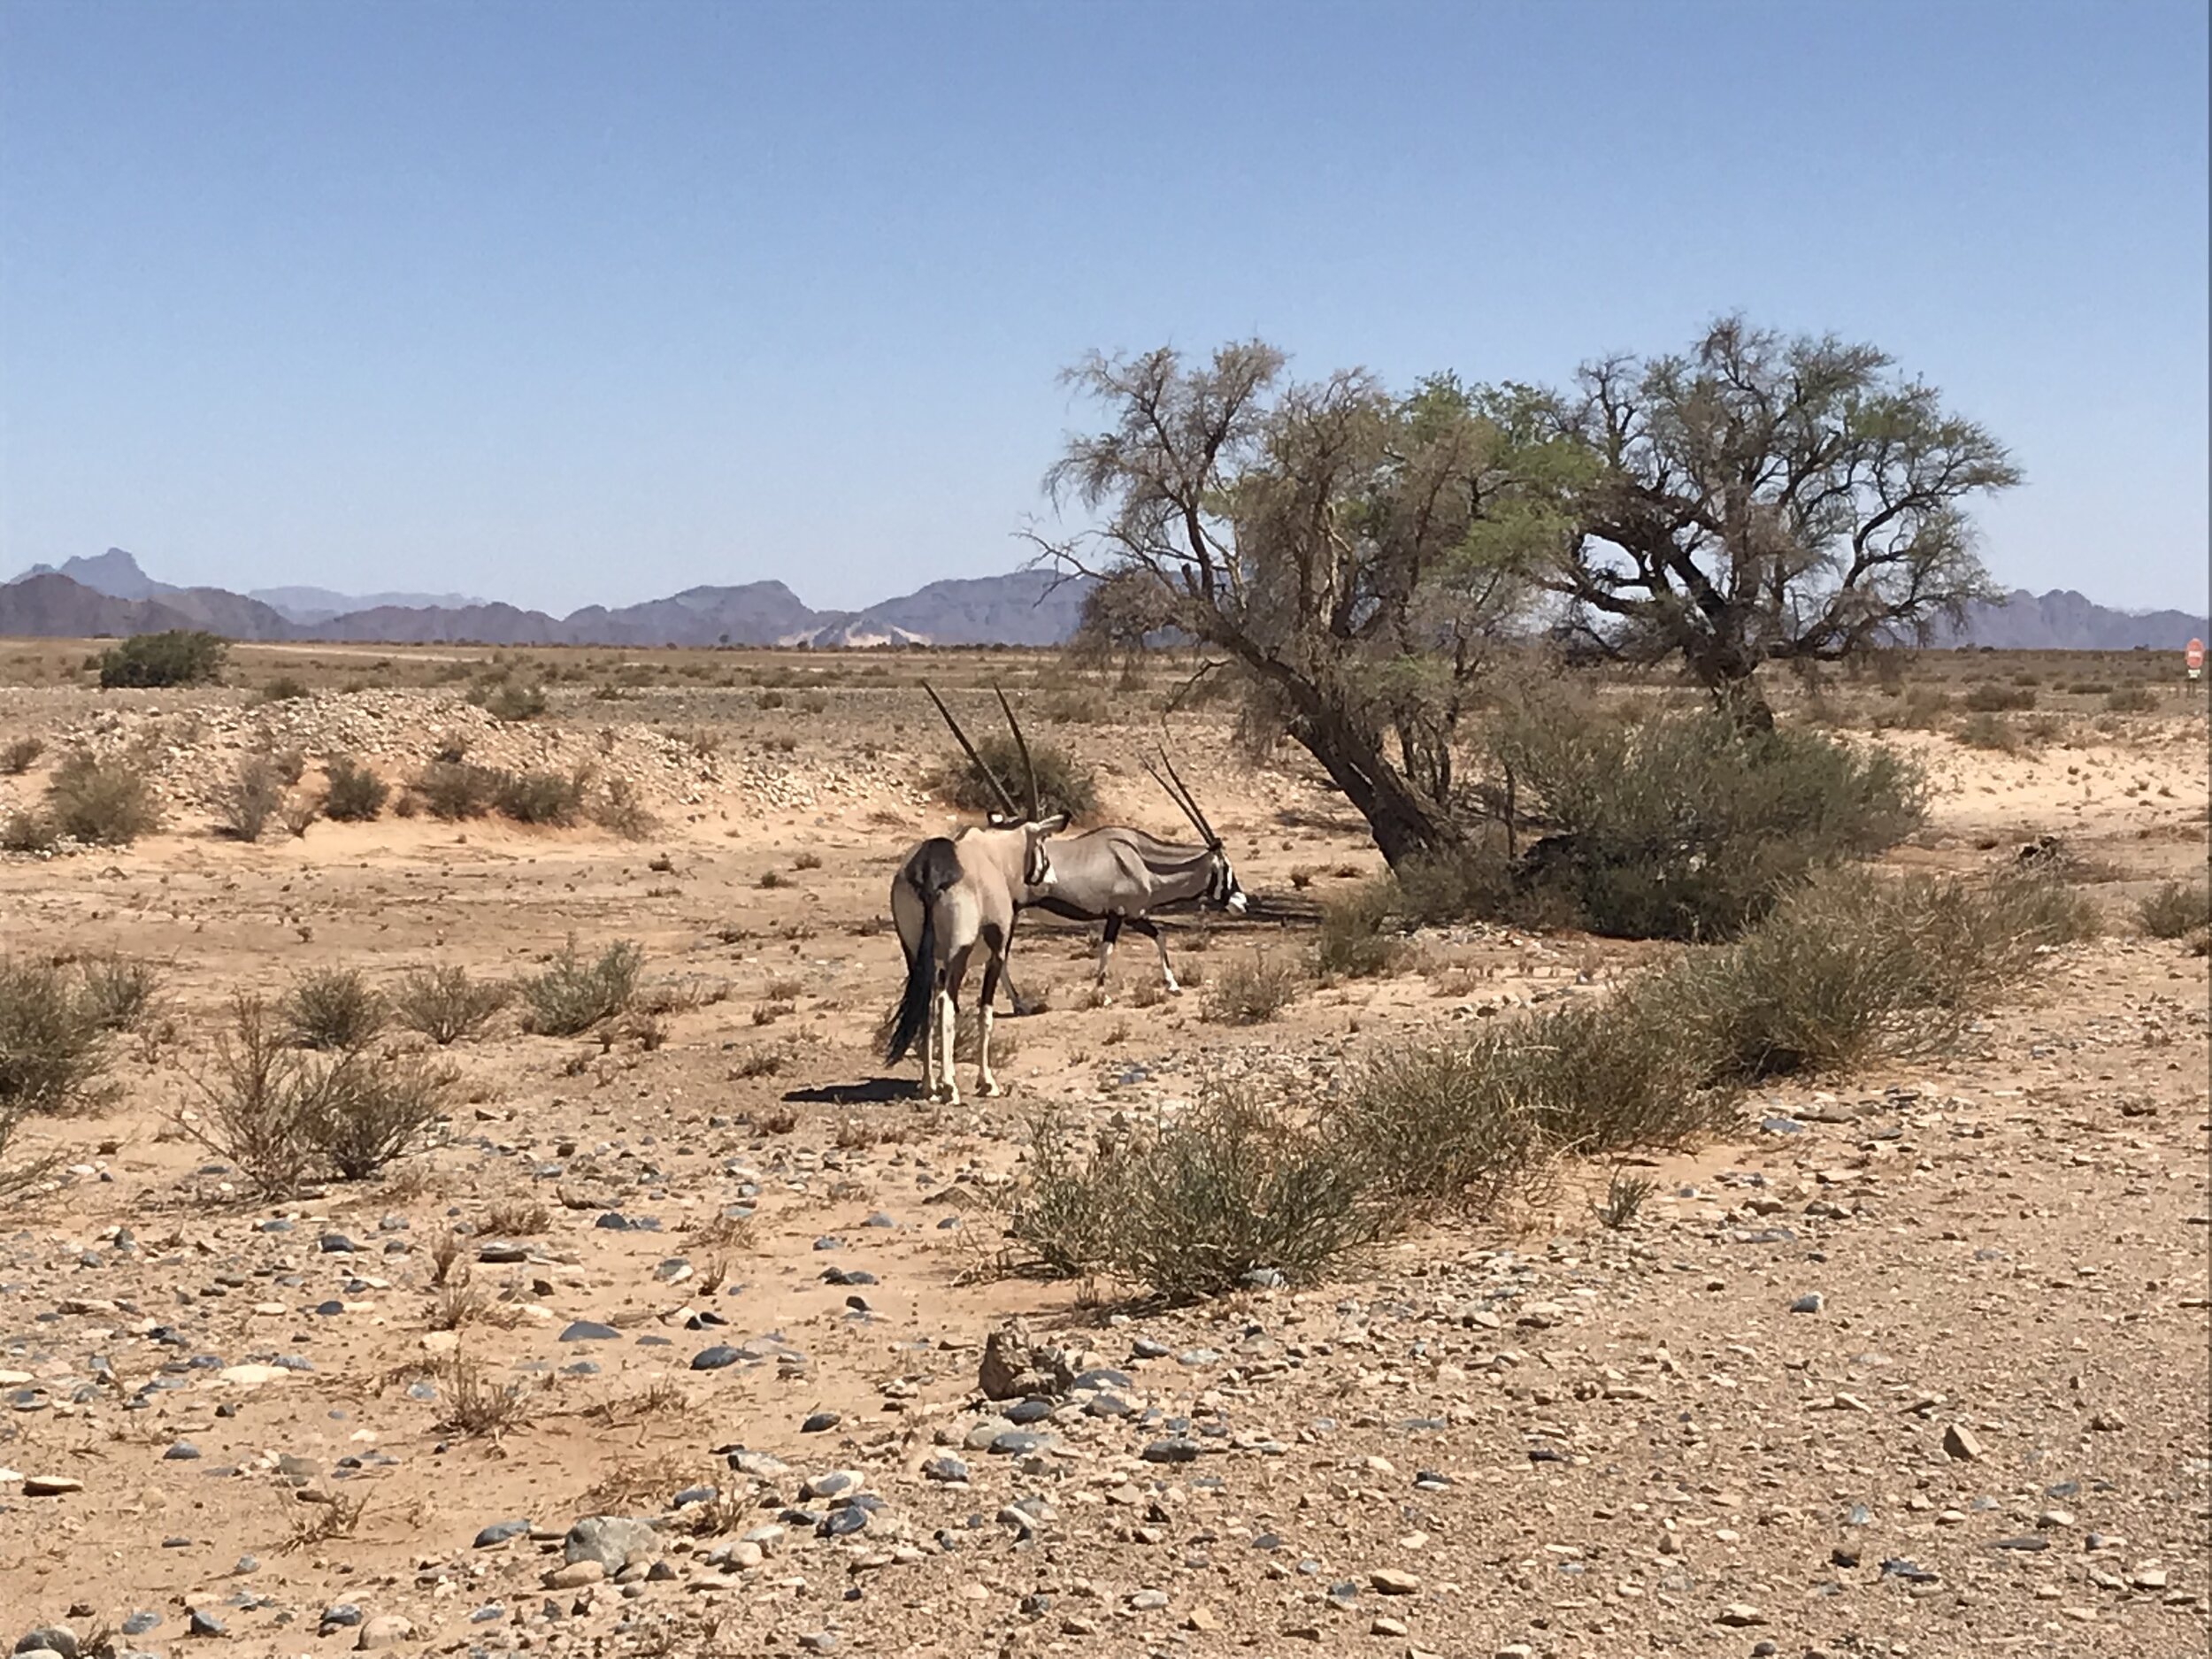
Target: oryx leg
1106 948
948 1009
994 965
1145 924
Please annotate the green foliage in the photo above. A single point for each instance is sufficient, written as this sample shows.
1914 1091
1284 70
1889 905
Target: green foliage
571 996
106 803
182 657
1688 825
354 794
1065 784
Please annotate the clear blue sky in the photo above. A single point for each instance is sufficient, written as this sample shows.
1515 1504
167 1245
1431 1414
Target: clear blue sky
566 304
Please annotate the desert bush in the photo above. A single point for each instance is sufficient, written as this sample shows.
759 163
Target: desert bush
1065 784
16 758
182 657
283 688
289 763
1355 940
572 995
2177 907
1251 992
28 832
444 1004
256 1097
363 1109
117 993
540 798
1986 730
1235 1185
2131 700
107 803
515 700
1625 1195
621 810
353 794
1992 698
249 799
1684 826
454 789
332 1008
53 1046
1444 1126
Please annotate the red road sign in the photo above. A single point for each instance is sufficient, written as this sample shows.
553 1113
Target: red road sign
2194 654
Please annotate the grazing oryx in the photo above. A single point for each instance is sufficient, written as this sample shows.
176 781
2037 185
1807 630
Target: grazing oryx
1118 876
953 893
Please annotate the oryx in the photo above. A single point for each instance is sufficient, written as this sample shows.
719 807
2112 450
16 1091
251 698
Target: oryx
1119 875
954 892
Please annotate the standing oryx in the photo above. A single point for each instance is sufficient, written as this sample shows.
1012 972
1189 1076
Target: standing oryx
953 893
1118 876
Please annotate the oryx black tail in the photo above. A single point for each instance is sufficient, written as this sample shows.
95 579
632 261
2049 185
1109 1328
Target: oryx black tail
935 867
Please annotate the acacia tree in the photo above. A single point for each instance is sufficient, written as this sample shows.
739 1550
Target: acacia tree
1759 499
1353 554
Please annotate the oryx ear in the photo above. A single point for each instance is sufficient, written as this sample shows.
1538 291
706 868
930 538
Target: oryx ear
1051 825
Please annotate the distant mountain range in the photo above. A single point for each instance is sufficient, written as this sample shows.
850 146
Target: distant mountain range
111 594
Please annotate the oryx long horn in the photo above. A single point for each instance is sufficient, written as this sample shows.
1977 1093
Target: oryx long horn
1036 805
981 764
1188 801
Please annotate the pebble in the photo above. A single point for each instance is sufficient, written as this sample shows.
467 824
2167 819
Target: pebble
385 1630
608 1539
1959 1442
1391 1581
500 1531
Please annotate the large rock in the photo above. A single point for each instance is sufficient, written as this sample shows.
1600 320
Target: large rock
608 1539
1014 1367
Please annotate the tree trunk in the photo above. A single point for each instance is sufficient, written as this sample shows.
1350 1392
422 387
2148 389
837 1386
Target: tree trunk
1404 825
1730 674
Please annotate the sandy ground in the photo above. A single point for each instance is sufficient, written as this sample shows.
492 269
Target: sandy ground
1545 1438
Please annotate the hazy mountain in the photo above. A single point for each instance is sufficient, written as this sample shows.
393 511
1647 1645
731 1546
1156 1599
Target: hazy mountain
111 594
2065 621
319 604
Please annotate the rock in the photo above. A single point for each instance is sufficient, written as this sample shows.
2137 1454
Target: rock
1959 1441
715 1358
500 1531
608 1539
1811 1304
1013 1367
1203 1617
50 1485
1741 1615
821 1422
57 1638
945 1467
1148 1600
575 1574
1383 1625
385 1630
592 1330
1176 1450
199 1624
2109 1421
1391 1581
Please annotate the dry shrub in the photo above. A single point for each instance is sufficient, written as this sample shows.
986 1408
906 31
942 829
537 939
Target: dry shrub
117 993
53 1048
106 803
540 798
249 800
453 789
620 811
1236 1185
1065 784
1992 698
459 1304
444 1004
332 1008
281 1115
1355 941
352 793
514 700
2176 908
26 832
16 758
572 995
1986 730
1252 993
1449 1126
761 1059
2131 700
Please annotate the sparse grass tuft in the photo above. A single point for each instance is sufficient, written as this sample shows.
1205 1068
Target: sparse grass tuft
1251 992
1625 1197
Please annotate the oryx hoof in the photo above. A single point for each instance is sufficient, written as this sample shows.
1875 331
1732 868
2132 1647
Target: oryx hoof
1024 1008
990 1089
